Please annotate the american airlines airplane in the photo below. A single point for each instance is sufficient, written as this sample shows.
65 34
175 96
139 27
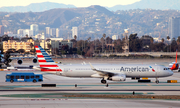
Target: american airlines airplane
116 72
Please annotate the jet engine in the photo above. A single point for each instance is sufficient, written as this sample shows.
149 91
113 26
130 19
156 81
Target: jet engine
34 60
120 77
19 61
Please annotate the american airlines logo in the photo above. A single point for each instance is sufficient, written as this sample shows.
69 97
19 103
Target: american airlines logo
134 69
152 69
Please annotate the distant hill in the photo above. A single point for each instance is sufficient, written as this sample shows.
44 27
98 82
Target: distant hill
152 4
92 21
35 7
53 18
143 4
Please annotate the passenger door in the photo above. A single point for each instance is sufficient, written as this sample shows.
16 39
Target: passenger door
58 70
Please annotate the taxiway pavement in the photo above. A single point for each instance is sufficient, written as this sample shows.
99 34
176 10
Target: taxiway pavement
17 98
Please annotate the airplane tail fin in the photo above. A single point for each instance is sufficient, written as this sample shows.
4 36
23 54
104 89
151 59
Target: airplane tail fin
45 61
176 56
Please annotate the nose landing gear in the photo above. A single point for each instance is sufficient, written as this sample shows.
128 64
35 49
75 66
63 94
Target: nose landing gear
157 81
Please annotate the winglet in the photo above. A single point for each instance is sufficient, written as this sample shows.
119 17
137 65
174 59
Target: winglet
92 66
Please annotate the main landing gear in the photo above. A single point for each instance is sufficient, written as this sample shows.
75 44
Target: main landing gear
157 81
103 81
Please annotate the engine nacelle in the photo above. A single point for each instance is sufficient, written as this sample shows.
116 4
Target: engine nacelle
34 60
120 77
19 61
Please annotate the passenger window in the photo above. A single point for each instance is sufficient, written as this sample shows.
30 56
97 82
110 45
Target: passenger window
22 77
32 77
17 77
27 77
37 76
12 77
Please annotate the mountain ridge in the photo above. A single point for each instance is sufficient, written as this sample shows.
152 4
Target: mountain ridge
143 4
35 7
149 4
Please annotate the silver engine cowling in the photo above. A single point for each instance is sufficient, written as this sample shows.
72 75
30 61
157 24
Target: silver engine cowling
34 60
19 61
120 77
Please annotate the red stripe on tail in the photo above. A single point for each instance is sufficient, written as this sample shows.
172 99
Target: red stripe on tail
44 69
48 66
38 51
42 60
40 56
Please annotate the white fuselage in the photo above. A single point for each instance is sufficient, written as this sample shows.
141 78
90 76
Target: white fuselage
136 70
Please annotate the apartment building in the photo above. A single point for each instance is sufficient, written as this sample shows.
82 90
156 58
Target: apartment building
55 43
12 44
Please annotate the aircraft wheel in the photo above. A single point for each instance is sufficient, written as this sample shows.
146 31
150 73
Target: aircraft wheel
34 81
11 81
157 81
179 70
103 81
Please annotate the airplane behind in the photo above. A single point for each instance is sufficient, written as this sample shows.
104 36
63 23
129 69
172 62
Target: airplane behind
19 59
115 72
174 65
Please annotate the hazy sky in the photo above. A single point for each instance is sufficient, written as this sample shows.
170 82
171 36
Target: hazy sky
77 3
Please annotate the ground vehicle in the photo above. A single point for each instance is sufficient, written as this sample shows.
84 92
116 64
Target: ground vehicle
11 68
23 77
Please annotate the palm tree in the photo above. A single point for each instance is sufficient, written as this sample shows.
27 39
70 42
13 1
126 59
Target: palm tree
168 42
26 35
75 37
162 40
178 40
168 38
104 36
49 46
89 38
152 40
102 41
31 45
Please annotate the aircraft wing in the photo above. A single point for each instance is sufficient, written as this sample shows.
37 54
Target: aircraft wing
102 73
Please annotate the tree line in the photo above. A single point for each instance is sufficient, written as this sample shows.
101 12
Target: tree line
106 45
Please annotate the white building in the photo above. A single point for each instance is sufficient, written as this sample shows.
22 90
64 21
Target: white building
57 32
74 32
34 28
48 31
1 30
40 36
20 32
27 32
53 32
115 37
57 39
174 27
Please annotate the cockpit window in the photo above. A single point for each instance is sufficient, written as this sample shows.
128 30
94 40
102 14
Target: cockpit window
166 68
